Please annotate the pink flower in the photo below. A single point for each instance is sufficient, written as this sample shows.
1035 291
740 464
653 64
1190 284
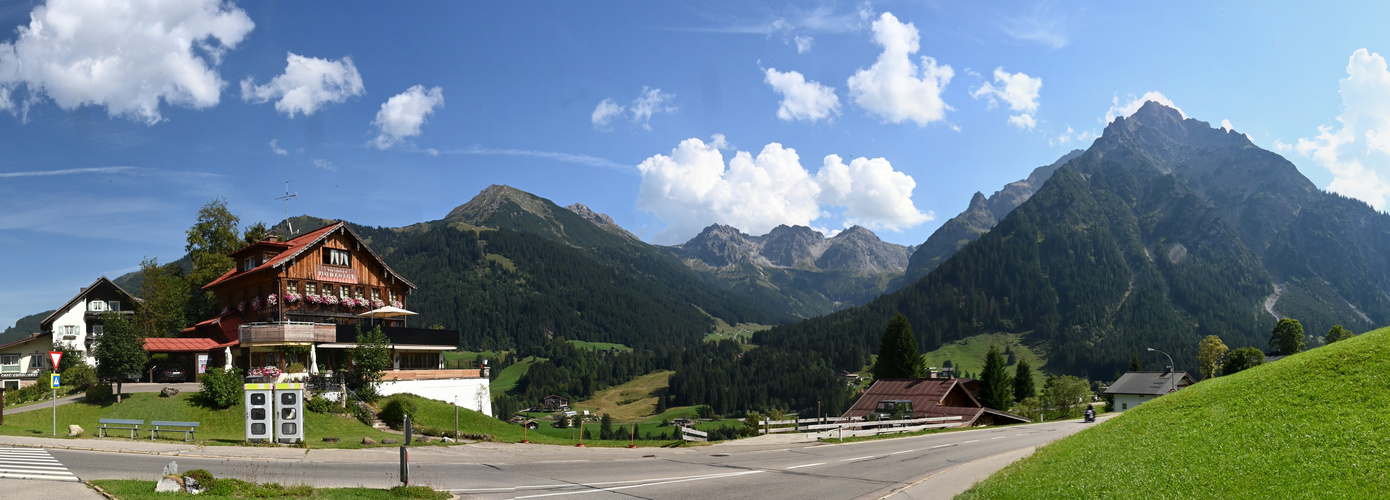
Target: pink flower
241 306
256 303
270 299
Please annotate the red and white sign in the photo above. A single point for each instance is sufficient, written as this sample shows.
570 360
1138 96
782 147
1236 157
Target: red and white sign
55 356
336 274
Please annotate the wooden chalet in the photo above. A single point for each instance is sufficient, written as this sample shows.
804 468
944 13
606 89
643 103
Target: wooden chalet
932 397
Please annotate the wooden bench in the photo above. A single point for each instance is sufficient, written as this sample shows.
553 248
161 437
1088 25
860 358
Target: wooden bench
192 428
119 424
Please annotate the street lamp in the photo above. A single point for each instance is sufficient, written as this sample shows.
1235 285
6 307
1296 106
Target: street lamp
1172 374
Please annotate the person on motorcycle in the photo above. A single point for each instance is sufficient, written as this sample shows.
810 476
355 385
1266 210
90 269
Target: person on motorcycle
1090 413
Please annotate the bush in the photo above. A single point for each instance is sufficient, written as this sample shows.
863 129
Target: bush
34 392
79 376
362 414
202 476
320 404
395 410
100 393
295 367
222 388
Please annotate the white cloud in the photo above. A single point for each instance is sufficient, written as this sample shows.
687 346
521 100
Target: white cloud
1358 153
1040 26
1066 138
277 149
1019 90
650 102
126 56
605 112
1226 125
892 87
69 171
403 114
802 100
1116 110
694 187
324 164
803 43
580 159
1283 147
307 84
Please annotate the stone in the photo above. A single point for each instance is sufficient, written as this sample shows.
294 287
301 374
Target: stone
389 441
331 440
367 440
192 486
172 469
74 430
448 439
168 485
168 392
423 439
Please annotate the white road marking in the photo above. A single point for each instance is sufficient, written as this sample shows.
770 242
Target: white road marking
32 463
998 437
941 446
856 458
805 465
970 441
616 488
904 451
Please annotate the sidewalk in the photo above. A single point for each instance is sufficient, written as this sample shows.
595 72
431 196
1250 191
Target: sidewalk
38 488
954 481
127 388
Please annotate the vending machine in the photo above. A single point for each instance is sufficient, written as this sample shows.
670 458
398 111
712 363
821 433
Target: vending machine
260 427
289 413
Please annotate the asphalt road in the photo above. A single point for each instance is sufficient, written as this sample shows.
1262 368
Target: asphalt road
869 469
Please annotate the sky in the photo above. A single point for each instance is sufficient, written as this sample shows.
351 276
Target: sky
120 119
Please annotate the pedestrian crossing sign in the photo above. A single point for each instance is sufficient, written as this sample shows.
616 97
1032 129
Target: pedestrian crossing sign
54 383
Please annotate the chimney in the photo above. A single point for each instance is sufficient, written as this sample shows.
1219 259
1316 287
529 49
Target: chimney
1167 370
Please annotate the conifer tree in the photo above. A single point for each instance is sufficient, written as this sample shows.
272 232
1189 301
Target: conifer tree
897 352
996 389
1023 380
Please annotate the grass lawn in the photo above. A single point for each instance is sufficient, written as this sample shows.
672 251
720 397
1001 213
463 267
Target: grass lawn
219 427
441 415
509 377
598 346
969 354
1308 426
630 402
128 489
742 331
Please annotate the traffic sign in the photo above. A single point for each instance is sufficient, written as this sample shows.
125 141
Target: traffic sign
56 356
54 383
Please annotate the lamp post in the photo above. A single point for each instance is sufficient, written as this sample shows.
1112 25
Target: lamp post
1172 373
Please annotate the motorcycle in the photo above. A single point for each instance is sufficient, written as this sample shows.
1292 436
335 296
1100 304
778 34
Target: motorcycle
1090 416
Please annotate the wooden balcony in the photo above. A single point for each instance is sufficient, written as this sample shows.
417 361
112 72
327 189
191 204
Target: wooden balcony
272 333
431 374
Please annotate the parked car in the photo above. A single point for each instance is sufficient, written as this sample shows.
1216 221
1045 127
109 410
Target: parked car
170 373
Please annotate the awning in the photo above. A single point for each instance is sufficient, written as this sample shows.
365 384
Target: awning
160 344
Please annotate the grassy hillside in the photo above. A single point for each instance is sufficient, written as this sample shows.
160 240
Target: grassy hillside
510 376
1308 426
630 402
969 354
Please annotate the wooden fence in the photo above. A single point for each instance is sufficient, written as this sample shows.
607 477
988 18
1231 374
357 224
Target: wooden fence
690 434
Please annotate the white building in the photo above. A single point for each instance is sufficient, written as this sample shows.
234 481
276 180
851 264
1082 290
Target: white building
79 322
1135 388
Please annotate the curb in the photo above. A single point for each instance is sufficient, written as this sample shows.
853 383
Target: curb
99 490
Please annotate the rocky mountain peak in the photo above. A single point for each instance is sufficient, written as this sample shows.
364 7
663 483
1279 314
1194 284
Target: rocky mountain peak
490 198
599 219
787 246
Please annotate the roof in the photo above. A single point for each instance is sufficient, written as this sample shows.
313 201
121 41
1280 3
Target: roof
1149 383
83 295
298 245
29 338
924 393
226 324
160 344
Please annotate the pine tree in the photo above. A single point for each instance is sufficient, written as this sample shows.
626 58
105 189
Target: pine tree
996 389
1023 381
897 353
1135 365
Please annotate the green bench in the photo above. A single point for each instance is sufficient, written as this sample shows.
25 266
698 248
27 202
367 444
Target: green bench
163 426
119 424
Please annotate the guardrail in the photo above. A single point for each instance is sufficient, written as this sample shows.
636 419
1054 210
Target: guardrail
690 434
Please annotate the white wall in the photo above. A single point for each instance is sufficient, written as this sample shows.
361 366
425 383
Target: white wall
1129 399
472 393
74 316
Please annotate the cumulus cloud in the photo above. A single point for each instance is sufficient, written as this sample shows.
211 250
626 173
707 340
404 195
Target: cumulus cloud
276 148
802 100
895 88
1117 110
803 43
1358 153
126 56
1018 90
650 102
1226 125
1071 135
307 84
694 187
605 112
403 114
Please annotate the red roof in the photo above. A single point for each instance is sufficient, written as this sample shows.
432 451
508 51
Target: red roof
931 397
160 344
226 324
293 248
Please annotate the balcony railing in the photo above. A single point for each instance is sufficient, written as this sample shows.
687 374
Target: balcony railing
253 333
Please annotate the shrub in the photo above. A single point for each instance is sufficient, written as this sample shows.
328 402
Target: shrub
222 388
362 414
202 476
394 411
320 404
79 376
295 367
100 393
34 392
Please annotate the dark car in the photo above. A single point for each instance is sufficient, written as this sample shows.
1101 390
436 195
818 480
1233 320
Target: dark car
170 373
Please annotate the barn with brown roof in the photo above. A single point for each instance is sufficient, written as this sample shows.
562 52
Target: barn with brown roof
932 397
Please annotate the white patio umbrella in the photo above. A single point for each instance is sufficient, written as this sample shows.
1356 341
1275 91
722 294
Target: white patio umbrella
388 312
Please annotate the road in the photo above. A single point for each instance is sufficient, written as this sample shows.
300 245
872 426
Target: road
128 388
869 469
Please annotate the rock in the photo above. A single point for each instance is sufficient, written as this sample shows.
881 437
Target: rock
331 440
389 441
168 392
448 439
168 485
192 486
74 430
423 439
367 440
172 469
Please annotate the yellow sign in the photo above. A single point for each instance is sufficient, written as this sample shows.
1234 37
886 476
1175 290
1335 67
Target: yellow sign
258 387
285 387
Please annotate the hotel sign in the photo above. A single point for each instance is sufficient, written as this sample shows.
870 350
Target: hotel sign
336 274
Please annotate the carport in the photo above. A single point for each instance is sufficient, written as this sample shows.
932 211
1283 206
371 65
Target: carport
186 353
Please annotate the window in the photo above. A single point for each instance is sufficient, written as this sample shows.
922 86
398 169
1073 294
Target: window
114 305
310 288
336 257
248 264
419 361
1124 406
292 287
343 292
70 330
97 330
376 294
357 293
96 306
9 363
327 289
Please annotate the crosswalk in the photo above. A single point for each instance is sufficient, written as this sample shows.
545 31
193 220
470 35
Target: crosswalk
32 463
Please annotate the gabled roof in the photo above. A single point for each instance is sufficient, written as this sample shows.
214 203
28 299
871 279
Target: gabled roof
297 246
28 338
929 399
227 324
82 296
1149 383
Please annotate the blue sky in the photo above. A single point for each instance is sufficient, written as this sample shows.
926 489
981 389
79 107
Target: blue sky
120 119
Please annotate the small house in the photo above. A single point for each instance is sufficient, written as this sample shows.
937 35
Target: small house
554 402
1135 388
928 397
